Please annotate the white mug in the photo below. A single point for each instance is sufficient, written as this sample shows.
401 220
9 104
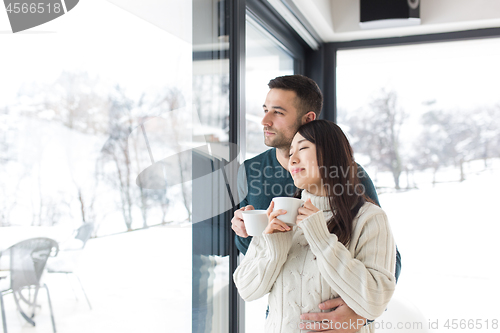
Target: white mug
291 205
255 221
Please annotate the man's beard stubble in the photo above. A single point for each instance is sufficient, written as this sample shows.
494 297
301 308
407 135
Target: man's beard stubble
279 141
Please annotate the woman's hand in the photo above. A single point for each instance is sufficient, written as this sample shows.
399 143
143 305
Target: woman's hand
307 210
275 225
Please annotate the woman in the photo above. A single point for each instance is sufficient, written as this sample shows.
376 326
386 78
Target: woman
342 244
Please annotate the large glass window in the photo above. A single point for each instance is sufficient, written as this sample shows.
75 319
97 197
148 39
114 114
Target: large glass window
424 121
265 60
100 111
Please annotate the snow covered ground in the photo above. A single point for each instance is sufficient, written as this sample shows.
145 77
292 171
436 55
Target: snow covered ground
136 282
448 239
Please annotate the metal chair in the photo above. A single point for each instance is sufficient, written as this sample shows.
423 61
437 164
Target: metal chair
66 260
27 262
84 232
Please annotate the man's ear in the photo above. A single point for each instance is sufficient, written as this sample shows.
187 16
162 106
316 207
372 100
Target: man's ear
308 117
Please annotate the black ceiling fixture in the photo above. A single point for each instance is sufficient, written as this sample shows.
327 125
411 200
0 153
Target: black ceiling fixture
376 14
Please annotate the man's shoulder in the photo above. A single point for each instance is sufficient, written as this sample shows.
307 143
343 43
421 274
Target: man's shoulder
360 168
258 161
262 156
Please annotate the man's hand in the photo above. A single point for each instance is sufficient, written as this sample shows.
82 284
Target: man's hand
237 223
341 320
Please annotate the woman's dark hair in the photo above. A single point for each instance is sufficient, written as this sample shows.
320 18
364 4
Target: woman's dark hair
338 172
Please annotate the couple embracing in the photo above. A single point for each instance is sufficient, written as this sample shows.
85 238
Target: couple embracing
340 257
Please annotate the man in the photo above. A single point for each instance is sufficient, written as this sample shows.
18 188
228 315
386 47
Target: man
292 101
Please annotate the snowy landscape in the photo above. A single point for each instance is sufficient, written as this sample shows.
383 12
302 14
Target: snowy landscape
71 149
442 219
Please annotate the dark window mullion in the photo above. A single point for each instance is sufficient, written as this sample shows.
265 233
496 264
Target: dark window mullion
237 21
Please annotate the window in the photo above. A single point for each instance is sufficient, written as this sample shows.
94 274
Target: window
98 122
424 123
265 60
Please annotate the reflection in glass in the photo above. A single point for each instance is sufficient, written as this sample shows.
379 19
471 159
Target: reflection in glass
73 105
265 60
210 89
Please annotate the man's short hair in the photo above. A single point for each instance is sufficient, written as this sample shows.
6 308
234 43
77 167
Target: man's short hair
308 93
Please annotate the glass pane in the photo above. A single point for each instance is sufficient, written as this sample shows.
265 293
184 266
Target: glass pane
210 260
98 123
424 121
265 60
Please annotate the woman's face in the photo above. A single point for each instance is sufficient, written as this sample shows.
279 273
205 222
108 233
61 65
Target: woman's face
303 165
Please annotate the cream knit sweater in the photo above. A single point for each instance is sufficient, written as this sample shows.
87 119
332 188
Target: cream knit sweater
308 265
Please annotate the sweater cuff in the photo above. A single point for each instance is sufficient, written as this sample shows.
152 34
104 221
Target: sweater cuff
278 243
315 229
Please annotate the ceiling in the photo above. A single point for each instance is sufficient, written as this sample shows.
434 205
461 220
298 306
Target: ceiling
338 20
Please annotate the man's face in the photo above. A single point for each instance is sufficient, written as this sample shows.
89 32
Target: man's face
281 120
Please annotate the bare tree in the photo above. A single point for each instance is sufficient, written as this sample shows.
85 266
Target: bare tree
430 149
76 101
487 130
377 133
7 197
172 100
124 156
455 137
115 152
81 103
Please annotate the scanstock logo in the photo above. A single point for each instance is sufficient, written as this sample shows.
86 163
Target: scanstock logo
25 14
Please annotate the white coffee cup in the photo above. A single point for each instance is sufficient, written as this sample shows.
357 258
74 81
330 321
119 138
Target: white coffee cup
255 221
291 205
